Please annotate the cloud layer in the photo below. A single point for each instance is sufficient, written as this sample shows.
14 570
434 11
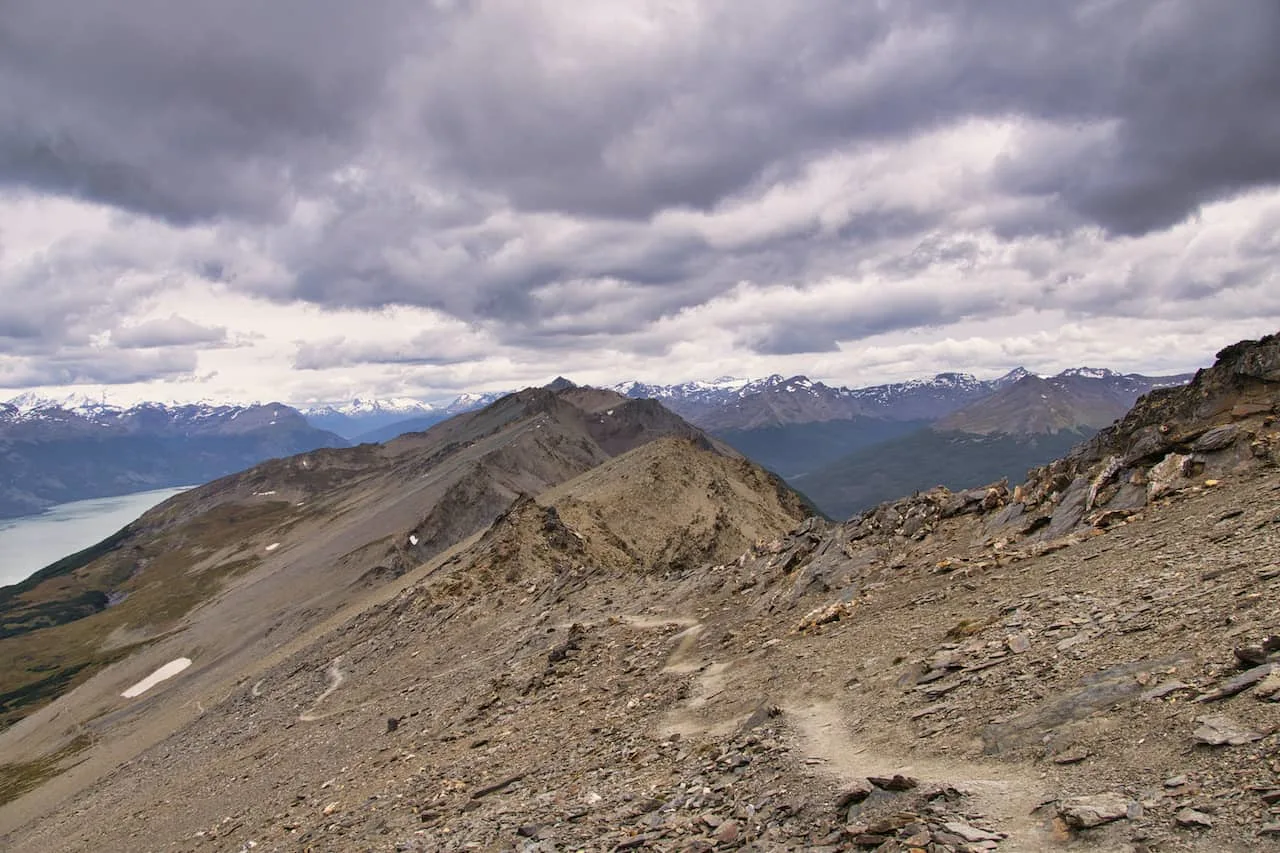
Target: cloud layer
416 197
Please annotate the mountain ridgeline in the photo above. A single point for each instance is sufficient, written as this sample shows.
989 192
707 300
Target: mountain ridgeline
850 448
50 454
572 620
328 519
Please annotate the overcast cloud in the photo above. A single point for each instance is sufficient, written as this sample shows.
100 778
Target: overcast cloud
313 199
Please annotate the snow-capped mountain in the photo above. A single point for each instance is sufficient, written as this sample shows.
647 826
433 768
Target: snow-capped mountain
67 449
353 417
403 406
365 418
738 404
698 391
735 404
467 401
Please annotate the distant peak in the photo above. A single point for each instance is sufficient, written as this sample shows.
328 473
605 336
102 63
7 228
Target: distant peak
560 384
1089 373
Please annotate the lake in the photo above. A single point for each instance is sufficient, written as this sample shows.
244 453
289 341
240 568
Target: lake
30 543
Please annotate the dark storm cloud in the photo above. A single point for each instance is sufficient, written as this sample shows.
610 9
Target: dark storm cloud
1190 89
524 166
1196 106
206 109
188 110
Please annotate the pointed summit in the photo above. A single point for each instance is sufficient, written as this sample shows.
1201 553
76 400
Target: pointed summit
1017 374
559 384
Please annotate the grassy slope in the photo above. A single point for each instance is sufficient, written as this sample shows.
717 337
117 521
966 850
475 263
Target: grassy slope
796 449
925 459
55 627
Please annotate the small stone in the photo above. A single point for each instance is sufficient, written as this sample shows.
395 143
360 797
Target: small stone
854 793
1176 781
896 782
1239 683
918 840
1269 686
1073 641
1221 730
1095 810
728 832
1251 655
330 809
1193 819
971 833
867 839
1270 829
1164 689
1018 643
1071 756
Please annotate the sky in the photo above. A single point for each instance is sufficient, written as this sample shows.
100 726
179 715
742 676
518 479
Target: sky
311 200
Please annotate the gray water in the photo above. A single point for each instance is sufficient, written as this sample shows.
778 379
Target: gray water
30 543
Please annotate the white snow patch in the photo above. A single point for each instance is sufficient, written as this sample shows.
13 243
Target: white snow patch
413 540
609 413
169 670
264 494
273 546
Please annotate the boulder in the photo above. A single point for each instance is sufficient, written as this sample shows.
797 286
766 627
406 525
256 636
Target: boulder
1094 810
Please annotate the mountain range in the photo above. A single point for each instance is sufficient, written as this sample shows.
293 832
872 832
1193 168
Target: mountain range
53 452
845 447
850 448
573 620
372 420
1025 422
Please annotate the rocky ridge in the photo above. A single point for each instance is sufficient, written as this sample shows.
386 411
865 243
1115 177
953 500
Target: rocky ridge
1085 660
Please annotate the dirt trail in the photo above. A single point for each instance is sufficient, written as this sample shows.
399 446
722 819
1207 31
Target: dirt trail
336 677
1004 794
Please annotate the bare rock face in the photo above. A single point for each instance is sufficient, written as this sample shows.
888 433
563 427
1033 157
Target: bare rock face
1223 421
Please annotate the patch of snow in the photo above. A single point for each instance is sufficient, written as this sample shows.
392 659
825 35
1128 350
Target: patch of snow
264 494
1089 372
609 413
273 546
413 540
169 670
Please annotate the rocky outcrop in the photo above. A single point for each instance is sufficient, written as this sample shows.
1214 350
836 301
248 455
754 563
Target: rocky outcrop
1191 436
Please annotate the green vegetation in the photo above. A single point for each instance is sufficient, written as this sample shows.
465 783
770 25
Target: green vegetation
56 629
18 778
796 449
925 459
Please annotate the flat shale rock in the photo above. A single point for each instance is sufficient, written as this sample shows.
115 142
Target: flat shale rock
1221 730
1095 810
